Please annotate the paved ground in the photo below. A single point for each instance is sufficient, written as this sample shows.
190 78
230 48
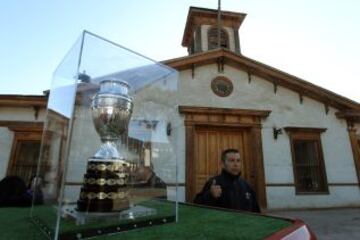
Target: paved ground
334 224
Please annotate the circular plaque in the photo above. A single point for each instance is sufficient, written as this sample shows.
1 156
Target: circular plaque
222 86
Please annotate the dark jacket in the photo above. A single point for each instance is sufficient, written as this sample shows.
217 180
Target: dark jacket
236 193
154 182
13 193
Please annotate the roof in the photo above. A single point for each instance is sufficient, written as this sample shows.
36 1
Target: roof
23 100
277 77
200 16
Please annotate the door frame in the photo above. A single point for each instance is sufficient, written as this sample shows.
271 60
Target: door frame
223 117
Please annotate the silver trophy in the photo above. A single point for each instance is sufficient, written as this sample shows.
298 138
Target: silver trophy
111 111
105 181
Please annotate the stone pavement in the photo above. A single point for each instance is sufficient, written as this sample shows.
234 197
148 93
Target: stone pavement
334 224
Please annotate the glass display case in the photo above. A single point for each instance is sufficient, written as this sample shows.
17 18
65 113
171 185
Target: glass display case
107 161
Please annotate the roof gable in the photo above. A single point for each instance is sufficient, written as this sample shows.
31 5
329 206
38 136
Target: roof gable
277 77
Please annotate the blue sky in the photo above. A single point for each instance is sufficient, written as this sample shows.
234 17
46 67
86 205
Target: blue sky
314 40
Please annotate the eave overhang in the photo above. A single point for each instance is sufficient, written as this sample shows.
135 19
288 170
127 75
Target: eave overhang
23 101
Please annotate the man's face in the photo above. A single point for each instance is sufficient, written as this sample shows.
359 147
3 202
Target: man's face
142 174
232 163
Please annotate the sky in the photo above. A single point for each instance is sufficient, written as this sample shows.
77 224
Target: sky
318 41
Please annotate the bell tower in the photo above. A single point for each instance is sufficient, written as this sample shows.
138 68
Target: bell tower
201 30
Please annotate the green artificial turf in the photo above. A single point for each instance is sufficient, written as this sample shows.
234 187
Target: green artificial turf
15 224
194 223
47 216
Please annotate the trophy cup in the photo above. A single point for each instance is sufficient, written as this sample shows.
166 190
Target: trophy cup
105 183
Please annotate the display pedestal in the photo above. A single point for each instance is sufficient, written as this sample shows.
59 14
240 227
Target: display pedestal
88 217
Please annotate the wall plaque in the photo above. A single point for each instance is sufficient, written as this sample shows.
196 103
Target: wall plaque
222 86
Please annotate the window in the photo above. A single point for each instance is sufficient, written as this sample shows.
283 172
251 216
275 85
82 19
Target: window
213 39
308 162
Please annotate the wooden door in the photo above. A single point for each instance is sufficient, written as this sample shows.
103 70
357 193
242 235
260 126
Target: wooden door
209 144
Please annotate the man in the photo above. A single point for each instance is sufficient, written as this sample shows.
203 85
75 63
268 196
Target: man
145 182
229 190
146 177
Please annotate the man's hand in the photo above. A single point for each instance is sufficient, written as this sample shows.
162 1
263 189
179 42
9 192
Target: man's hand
215 190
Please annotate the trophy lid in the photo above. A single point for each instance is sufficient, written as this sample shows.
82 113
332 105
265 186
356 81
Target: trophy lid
114 86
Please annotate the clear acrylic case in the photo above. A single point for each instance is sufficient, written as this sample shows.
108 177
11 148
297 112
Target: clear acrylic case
108 162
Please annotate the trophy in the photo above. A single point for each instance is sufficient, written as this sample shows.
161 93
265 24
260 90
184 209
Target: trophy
105 183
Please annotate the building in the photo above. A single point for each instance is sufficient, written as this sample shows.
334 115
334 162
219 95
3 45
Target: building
300 143
21 126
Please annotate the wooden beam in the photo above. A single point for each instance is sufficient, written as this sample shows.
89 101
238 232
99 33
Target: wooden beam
22 101
259 166
326 108
193 70
275 86
227 111
355 150
21 126
304 129
249 77
190 161
349 115
220 63
36 112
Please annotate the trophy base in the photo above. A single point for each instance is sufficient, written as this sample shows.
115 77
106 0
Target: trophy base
105 186
102 205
